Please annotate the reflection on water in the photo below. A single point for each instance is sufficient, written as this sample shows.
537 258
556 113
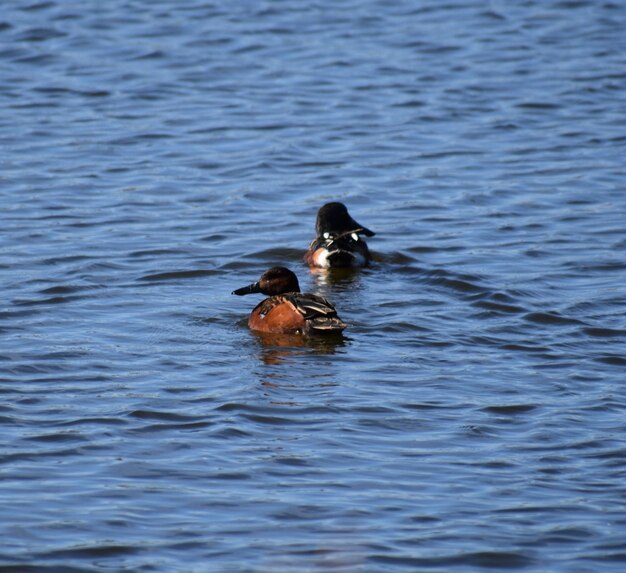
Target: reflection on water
336 277
276 348
472 416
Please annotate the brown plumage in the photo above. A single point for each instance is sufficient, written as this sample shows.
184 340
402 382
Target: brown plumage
288 310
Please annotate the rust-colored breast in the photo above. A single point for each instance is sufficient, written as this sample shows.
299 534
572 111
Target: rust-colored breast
316 258
277 314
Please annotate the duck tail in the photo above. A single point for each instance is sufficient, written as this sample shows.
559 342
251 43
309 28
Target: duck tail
326 324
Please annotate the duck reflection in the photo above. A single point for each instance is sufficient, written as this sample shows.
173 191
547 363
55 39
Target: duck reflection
278 348
336 276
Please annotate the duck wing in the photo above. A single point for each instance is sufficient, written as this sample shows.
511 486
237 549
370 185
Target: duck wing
318 313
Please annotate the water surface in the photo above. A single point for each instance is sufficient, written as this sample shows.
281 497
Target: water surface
157 155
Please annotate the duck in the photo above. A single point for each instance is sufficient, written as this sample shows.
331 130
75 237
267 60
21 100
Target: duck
338 243
287 310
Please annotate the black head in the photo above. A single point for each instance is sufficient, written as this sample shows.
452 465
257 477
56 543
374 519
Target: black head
334 218
277 280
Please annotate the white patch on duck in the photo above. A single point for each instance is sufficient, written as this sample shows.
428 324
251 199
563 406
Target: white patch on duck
321 258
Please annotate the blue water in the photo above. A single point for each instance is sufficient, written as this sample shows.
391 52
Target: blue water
156 155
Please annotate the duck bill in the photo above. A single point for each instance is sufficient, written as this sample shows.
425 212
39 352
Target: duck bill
250 289
364 230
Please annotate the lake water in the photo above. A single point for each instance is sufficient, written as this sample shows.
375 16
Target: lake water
156 155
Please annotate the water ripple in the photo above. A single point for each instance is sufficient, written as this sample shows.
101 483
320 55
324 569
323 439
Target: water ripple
157 155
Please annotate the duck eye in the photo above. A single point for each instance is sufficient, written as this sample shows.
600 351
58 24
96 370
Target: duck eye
355 236
326 235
